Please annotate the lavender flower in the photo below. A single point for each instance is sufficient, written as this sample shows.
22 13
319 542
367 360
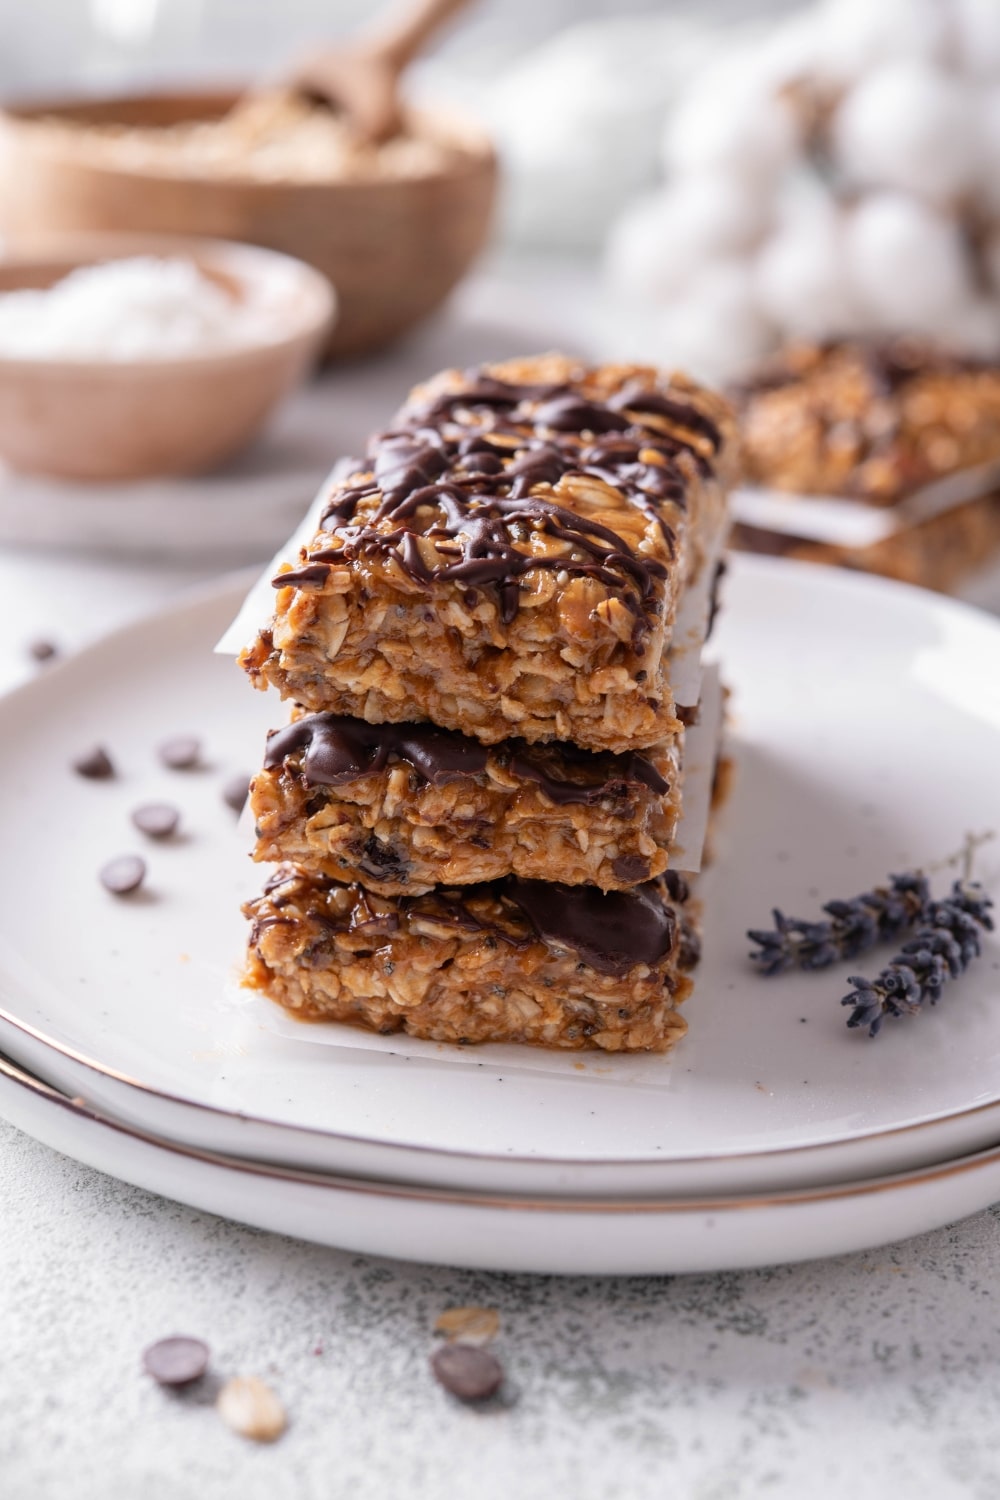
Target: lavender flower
878 916
945 943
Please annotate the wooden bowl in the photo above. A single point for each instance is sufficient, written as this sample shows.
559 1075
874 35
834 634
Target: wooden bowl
132 419
393 249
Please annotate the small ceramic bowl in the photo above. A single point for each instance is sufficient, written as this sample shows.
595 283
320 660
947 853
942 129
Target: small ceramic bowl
393 247
133 419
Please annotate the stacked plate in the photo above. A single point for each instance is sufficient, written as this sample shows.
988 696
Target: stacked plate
866 739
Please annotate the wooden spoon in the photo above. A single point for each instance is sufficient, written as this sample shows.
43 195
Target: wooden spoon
361 78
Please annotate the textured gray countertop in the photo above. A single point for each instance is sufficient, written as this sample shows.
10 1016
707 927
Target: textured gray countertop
869 1376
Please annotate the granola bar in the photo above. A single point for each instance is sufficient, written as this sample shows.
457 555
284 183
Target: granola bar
402 807
509 560
871 420
898 425
935 554
513 961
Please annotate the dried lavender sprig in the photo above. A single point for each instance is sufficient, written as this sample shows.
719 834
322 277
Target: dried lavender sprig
944 945
877 916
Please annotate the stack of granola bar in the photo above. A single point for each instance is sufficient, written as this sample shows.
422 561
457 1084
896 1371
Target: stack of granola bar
492 648
875 454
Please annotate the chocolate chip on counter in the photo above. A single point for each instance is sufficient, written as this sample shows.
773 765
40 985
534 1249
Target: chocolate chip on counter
470 1373
157 820
176 1361
180 752
123 875
95 764
235 792
42 650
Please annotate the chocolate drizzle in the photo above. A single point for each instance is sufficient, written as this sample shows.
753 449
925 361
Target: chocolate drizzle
636 397
337 749
477 455
887 363
610 931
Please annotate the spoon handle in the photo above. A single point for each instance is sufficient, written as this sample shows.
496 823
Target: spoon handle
406 30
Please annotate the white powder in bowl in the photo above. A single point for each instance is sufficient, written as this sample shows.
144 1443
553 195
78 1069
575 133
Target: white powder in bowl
141 308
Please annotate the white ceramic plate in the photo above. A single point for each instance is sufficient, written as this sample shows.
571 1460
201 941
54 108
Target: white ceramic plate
556 1236
867 736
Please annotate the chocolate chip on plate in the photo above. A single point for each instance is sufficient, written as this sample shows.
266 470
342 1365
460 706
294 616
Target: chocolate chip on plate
235 792
470 1373
123 875
176 1361
157 820
180 752
42 650
94 763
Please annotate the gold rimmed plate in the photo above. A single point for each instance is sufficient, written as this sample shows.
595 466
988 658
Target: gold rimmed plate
866 734
555 1236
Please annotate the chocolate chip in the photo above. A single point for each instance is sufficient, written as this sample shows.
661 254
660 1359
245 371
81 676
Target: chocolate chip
235 792
181 752
631 867
41 650
94 764
176 1361
122 875
469 1373
158 820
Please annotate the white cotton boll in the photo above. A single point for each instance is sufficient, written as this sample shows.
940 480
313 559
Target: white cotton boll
801 280
800 275
578 122
731 122
641 258
803 194
720 211
857 35
977 37
664 239
906 262
909 125
716 329
792 51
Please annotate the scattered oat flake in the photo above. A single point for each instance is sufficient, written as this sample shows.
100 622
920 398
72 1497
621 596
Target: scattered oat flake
176 1361
473 1325
252 1409
42 650
470 1373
